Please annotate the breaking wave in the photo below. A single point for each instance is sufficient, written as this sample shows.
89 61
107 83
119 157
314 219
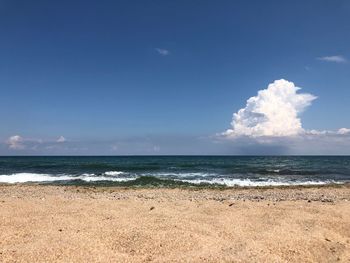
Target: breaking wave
114 177
35 177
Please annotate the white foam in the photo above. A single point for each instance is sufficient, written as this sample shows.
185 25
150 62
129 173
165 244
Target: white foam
248 182
30 177
104 178
35 177
179 174
113 173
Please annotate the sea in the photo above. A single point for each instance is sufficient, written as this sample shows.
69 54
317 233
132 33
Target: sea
165 171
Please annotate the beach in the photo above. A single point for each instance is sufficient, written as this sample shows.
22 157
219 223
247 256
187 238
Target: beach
46 223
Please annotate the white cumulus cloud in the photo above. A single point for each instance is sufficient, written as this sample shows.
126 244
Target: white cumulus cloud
336 59
162 51
273 112
15 142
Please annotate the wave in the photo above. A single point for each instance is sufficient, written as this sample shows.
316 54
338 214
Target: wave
253 183
180 174
113 177
113 173
35 177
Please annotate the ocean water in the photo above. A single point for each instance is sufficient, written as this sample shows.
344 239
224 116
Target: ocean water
177 170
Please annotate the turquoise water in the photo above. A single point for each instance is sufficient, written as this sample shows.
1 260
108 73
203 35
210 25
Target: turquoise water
177 170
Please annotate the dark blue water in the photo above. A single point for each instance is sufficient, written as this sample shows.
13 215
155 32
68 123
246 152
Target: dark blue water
163 170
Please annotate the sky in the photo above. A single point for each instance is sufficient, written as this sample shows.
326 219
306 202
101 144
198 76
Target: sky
174 77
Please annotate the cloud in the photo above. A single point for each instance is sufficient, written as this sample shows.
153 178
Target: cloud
15 142
343 131
61 139
270 124
156 148
273 112
114 147
336 59
162 51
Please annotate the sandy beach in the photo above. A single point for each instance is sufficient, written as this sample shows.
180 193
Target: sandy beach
89 224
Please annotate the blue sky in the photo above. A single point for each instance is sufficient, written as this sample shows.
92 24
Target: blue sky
165 77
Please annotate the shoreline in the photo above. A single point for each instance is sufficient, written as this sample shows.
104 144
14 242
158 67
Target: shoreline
323 193
187 186
154 182
41 223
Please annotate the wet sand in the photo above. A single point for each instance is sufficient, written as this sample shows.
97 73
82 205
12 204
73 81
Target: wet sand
87 224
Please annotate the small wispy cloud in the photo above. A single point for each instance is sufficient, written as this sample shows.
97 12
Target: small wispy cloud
156 148
61 139
162 51
336 59
343 131
15 142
